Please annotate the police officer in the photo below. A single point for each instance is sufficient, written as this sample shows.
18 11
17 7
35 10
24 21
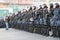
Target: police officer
50 18
35 17
56 18
51 10
45 12
40 18
30 19
56 13
45 20
40 13
34 12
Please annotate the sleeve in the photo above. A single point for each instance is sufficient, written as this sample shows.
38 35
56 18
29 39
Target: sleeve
59 11
4 18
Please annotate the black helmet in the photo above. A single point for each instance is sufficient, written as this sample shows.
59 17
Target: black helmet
34 7
40 6
30 8
45 6
57 5
51 4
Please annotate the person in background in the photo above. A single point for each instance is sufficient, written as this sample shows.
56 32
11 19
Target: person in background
6 22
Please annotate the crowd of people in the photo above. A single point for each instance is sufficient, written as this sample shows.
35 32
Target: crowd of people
43 20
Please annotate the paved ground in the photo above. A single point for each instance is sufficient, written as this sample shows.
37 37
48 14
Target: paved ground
14 34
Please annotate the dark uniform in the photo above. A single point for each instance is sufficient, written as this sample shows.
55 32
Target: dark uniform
39 18
44 29
56 19
50 18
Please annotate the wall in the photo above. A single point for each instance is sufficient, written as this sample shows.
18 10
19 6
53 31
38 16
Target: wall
40 2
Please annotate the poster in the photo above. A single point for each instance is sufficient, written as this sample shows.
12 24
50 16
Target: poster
4 1
25 1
